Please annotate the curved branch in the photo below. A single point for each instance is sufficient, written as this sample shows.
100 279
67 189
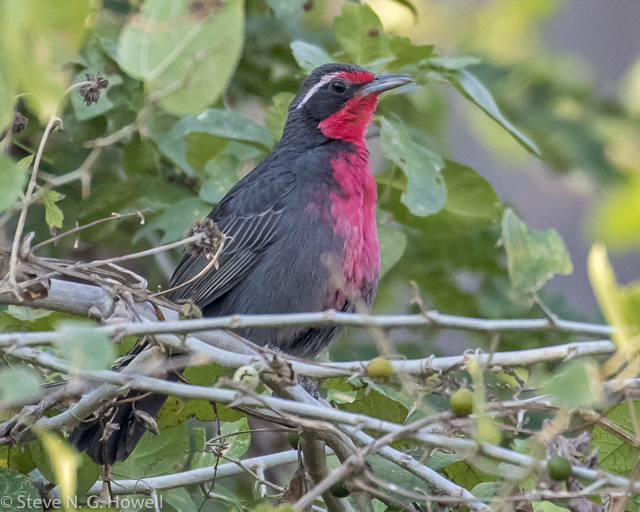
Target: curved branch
331 317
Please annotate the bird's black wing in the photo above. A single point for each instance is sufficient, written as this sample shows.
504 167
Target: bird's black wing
250 216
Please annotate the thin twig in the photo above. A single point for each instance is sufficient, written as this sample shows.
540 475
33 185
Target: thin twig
82 174
114 216
108 261
13 261
213 262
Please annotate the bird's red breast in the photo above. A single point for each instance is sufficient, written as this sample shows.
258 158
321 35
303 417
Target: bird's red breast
353 216
353 209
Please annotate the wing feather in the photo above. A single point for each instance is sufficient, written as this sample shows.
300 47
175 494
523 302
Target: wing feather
250 234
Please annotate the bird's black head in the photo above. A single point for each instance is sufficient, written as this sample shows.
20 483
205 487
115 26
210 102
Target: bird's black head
336 101
325 91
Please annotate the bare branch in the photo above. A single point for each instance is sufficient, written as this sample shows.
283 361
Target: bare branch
195 476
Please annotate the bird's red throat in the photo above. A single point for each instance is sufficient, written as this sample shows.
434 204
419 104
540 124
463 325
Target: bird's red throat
351 121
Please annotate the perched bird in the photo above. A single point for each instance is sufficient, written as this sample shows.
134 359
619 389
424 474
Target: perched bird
302 236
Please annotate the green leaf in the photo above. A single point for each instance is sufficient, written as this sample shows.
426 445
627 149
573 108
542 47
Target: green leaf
179 499
486 490
391 473
87 472
39 42
440 460
196 139
226 124
533 257
7 93
466 475
156 455
393 242
269 508
450 63
18 318
205 375
286 9
619 304
360 33
614 454
14 485
25 163
222 172
547 506
426 192
309 56
237 445
84 347
18 383
18 458
222 499
44 454
12 179
472 89
184 51
176 410
340 391
26 314
469 194
176 219
277 113
577 385
53 214
373 401
407 53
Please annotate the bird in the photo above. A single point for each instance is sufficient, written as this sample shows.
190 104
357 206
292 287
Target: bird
300 232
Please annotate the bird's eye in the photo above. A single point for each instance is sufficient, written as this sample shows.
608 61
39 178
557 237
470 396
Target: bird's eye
338 86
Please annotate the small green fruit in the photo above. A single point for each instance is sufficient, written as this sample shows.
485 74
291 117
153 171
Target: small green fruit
294 439
462 403
248 376
379 368
339 490
559 468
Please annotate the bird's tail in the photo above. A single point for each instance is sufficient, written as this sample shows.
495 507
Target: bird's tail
113 433
112 436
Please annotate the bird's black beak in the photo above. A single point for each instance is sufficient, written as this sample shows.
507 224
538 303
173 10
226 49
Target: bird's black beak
383 83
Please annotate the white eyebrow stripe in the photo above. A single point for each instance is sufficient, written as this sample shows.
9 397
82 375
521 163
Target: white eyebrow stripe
325 79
